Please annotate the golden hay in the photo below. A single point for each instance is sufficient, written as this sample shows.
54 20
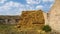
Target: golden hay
31 19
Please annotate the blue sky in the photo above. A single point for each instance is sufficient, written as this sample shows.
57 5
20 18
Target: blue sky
15 7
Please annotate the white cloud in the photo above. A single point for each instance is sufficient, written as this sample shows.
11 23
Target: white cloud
51 5
14 8
33 1
39 7
10 8
2 1
47 0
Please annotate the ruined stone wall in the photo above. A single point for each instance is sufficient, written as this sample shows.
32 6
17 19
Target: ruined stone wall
54 16
45 18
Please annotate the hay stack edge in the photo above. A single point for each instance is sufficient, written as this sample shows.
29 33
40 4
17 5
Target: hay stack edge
32 19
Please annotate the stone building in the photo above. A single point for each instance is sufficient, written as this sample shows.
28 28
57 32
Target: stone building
54 16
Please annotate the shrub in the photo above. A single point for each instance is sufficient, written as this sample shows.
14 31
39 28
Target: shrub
46 28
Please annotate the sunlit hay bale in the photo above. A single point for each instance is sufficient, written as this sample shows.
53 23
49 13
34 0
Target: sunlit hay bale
30 19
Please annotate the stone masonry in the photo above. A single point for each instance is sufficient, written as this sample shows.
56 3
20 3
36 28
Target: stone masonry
54 16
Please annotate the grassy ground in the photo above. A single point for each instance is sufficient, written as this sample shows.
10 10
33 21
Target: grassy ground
10 29
6 29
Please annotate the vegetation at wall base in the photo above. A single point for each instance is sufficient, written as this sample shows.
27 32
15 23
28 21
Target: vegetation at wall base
47 28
